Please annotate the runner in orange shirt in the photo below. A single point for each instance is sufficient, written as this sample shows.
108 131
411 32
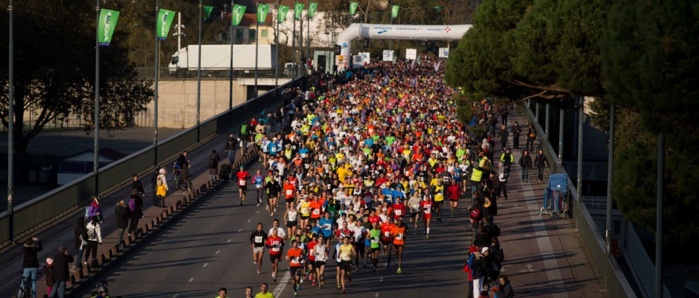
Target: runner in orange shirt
289 192
296 259
398 232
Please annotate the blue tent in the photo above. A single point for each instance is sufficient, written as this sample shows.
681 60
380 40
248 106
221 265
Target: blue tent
556 189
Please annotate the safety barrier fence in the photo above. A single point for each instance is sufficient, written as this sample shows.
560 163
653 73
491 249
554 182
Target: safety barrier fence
606 266
66 200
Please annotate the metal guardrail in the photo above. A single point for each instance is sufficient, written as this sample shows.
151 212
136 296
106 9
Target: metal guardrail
67 199
606 266
639 262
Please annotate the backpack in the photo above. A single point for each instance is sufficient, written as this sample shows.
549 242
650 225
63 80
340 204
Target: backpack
244 129
132 204
91 232
475 214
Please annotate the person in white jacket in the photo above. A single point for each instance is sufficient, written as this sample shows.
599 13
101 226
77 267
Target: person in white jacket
94 237
161 187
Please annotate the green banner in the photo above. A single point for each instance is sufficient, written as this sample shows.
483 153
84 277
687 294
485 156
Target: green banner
262 10
298 9
207 11
165 18
281 13
237 14
353 8
312 8
394 11
107 24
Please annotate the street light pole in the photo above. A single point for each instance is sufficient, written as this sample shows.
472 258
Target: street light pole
230 74
257 40
300 58
156 69
276 50
308 35
96 121
11 122
199 76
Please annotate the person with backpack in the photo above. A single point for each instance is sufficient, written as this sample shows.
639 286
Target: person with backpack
122 215
94 210
135 206
138 186
531 137
231 144
94 237
244 134
161 187
30 263
61 273
213 166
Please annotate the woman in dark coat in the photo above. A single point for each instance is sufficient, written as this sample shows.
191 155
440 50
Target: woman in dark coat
136 213
122 214
80 240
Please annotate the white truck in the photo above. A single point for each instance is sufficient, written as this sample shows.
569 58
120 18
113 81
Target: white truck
217 57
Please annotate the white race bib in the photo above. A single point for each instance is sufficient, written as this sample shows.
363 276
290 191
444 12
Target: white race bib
399 212
275 248
258 239
399 236
289 192
386 234
242 182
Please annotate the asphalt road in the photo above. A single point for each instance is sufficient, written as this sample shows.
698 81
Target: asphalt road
209 248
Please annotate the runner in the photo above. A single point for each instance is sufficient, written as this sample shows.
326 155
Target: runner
374 236
320 252
346 252
272 188
304 210
438 194
398 232
453 192
295 258
259 180
258 238
426 206
326 225
387 239
415 208
275 244
289 190
243 177
291 219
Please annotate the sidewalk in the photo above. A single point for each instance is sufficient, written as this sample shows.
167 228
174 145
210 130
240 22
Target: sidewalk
544 256
61 233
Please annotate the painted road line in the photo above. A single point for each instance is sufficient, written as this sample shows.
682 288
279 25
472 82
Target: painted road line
545 249
218 251
191 279
280 286
205 264
229 240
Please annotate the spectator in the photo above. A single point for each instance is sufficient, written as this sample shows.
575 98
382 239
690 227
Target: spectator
122 214
61 272
213 166
30 263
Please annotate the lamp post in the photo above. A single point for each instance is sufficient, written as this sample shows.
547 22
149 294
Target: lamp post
300 58
230 74
95 161
276 49
156 69
308 37
293 45
11 121
257 40
199 75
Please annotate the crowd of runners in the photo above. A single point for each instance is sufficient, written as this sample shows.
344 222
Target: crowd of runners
365 160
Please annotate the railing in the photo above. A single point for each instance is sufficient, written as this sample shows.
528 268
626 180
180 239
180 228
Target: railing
639 262
67 199
606 266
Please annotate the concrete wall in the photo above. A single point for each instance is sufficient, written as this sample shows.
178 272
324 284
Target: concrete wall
177 100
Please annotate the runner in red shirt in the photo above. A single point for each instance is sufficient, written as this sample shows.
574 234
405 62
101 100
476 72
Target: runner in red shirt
243 177
289 192
453 193
387 239
426 206
311 258
275 243
399 209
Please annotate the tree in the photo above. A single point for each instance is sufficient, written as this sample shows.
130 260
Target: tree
649 52
54 72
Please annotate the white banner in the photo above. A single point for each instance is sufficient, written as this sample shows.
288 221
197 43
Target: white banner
411 54
443 52
387 55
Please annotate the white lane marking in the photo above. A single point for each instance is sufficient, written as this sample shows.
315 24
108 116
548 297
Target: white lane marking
258 211
229 240
553 274
377 295
191 279
529 268
249 220
175 295
238 232
281 285
205 264
381 279
218 251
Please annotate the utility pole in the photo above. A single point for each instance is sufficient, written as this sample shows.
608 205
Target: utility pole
11 122
230 74
96 121
199 76
156 69
257 40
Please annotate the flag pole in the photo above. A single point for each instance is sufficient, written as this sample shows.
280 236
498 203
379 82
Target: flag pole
96 120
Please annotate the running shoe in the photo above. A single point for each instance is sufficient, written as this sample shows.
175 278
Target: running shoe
339 286
258 204
258 271
399 271
295 293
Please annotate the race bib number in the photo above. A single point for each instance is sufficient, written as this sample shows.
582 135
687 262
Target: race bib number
242 182
289 192
295 260
258 239
386 234
258 186
316 212
428 210
327 226
275 248
399 212
399 236
374 240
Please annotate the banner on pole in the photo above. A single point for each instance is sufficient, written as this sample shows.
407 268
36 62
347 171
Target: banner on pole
443 52
298 9
107 24
262 10
394 11
165 18
237 14
411 54
281 13
312 8
207 11
353 8
387 55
